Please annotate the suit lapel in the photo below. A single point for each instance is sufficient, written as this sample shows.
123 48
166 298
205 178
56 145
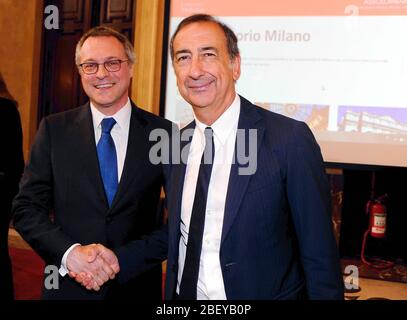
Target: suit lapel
83 138
136 154
248 119
176 186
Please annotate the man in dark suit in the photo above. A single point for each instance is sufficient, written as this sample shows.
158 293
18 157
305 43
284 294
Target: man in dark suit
267 232
11 168
90 166
256 227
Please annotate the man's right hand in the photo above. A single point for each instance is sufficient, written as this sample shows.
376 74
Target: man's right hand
92 265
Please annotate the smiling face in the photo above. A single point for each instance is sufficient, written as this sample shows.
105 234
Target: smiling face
108 91
205 72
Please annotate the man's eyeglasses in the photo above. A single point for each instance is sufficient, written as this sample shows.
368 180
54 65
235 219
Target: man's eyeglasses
93 67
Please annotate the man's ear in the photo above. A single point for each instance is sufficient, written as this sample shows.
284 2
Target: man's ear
131 69
236 67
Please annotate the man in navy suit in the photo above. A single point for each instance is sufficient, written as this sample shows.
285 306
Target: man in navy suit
262 233
267 234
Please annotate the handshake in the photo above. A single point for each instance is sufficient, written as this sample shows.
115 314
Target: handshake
92 265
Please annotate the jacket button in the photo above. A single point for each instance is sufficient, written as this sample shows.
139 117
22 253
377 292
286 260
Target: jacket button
108 219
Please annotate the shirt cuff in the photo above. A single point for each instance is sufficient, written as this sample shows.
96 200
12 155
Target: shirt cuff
63 269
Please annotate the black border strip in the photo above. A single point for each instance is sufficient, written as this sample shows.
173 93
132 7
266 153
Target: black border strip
361 167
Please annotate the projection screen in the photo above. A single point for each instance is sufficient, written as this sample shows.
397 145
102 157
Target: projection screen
338 65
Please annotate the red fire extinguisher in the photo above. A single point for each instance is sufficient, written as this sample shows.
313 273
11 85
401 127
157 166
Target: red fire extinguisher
377 220
377 229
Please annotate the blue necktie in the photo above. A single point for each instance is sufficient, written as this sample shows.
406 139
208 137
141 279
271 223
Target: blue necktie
108 159
189 280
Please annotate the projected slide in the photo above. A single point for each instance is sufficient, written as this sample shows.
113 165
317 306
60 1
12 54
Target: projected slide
339 65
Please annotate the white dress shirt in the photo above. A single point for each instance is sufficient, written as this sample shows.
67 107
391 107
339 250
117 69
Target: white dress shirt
120 135
210 279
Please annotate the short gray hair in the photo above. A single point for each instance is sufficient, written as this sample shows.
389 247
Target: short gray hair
231 39
104 31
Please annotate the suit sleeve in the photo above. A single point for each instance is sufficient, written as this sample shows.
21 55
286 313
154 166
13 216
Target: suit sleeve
32 205
141 255
310 204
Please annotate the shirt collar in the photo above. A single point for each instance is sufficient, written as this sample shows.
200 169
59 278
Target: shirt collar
122 116
228 121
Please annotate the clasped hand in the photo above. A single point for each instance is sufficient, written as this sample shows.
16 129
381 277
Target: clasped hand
92 265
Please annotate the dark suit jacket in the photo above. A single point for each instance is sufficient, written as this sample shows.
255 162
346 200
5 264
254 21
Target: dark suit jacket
277 238
63 175
11 168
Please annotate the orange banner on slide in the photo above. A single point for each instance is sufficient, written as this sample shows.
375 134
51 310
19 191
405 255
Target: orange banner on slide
183 8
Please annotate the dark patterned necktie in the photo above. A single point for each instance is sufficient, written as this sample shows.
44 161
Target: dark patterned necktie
189 280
